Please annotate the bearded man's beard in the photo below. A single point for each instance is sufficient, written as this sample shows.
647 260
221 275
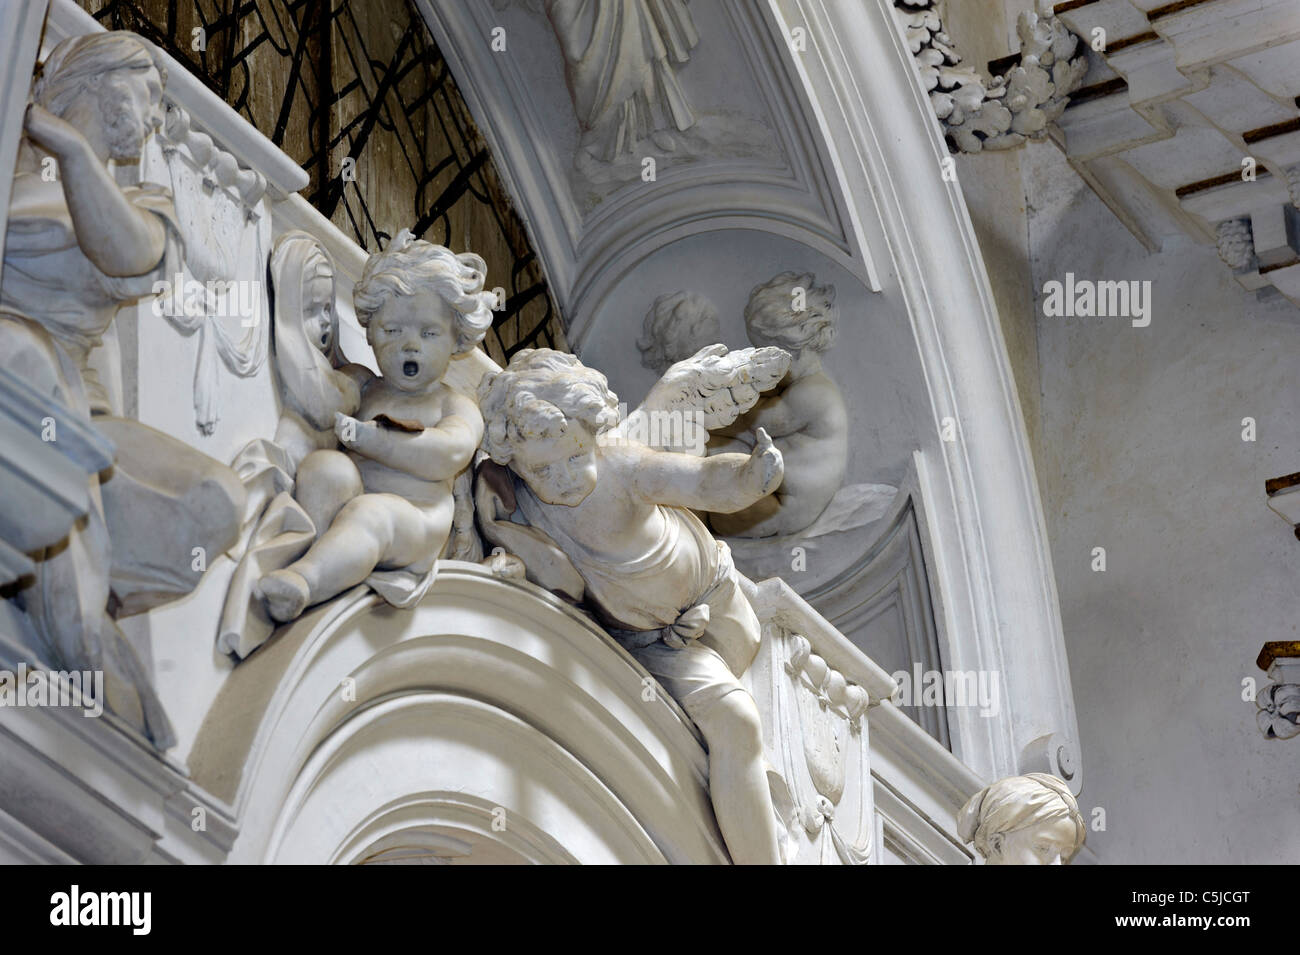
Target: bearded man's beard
122 131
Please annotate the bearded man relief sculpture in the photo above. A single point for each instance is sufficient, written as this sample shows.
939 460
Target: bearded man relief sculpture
78 248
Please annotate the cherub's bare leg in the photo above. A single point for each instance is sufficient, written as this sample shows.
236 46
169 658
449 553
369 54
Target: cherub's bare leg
699 678
326 480
371 531
742 799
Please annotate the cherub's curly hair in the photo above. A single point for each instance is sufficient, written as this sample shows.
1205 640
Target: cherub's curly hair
770 318
409 265
660 342
537 394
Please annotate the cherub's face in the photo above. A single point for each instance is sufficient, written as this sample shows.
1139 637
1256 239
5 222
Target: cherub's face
413 337
1047 843
318 312
560 469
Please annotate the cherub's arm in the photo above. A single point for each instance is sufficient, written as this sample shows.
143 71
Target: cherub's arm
722 483
777 415
434 454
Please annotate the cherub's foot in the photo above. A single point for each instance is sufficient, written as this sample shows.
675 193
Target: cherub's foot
286 594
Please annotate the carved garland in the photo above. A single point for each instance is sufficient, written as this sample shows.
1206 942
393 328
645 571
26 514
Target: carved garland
1015 106
211 255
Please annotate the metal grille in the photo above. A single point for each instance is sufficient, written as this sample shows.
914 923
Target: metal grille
358 94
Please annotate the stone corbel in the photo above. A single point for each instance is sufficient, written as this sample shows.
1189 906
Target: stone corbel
1283 496
1279 702
1015 105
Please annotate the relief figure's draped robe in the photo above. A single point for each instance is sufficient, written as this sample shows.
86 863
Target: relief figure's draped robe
620 58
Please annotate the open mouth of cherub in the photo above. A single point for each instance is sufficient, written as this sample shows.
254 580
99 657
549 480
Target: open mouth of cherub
410 368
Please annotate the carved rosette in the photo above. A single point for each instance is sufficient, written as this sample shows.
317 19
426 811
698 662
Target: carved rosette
1236 243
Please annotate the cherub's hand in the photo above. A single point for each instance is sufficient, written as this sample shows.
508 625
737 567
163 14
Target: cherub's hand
52 133
766 463
352 432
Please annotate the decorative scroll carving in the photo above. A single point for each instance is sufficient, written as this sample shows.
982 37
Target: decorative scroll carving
1014 106
1279 702
217 211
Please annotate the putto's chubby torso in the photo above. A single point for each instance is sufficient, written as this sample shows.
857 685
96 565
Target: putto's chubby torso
427 409
636 557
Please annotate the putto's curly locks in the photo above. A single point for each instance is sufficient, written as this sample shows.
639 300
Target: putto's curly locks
410 265
669 326
771 319
536 395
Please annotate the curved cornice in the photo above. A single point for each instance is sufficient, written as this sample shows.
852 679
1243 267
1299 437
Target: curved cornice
545 675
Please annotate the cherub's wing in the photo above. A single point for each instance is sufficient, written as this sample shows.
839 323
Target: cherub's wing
710 389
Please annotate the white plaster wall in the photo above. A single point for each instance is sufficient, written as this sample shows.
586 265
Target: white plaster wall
1142 454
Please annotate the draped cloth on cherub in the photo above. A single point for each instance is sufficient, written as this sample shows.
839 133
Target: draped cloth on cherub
282 532
639 615
695 645
615 588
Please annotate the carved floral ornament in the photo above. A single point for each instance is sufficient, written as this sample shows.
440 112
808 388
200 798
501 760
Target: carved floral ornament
1013 107
1279 702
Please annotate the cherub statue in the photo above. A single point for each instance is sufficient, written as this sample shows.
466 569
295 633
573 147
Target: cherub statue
677 326
386 506
620 514
1023 820
806 415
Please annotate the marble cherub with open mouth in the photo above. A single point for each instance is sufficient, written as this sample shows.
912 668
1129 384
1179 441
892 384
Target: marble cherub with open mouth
387 502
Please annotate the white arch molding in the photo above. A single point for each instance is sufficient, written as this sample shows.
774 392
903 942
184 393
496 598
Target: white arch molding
491 718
